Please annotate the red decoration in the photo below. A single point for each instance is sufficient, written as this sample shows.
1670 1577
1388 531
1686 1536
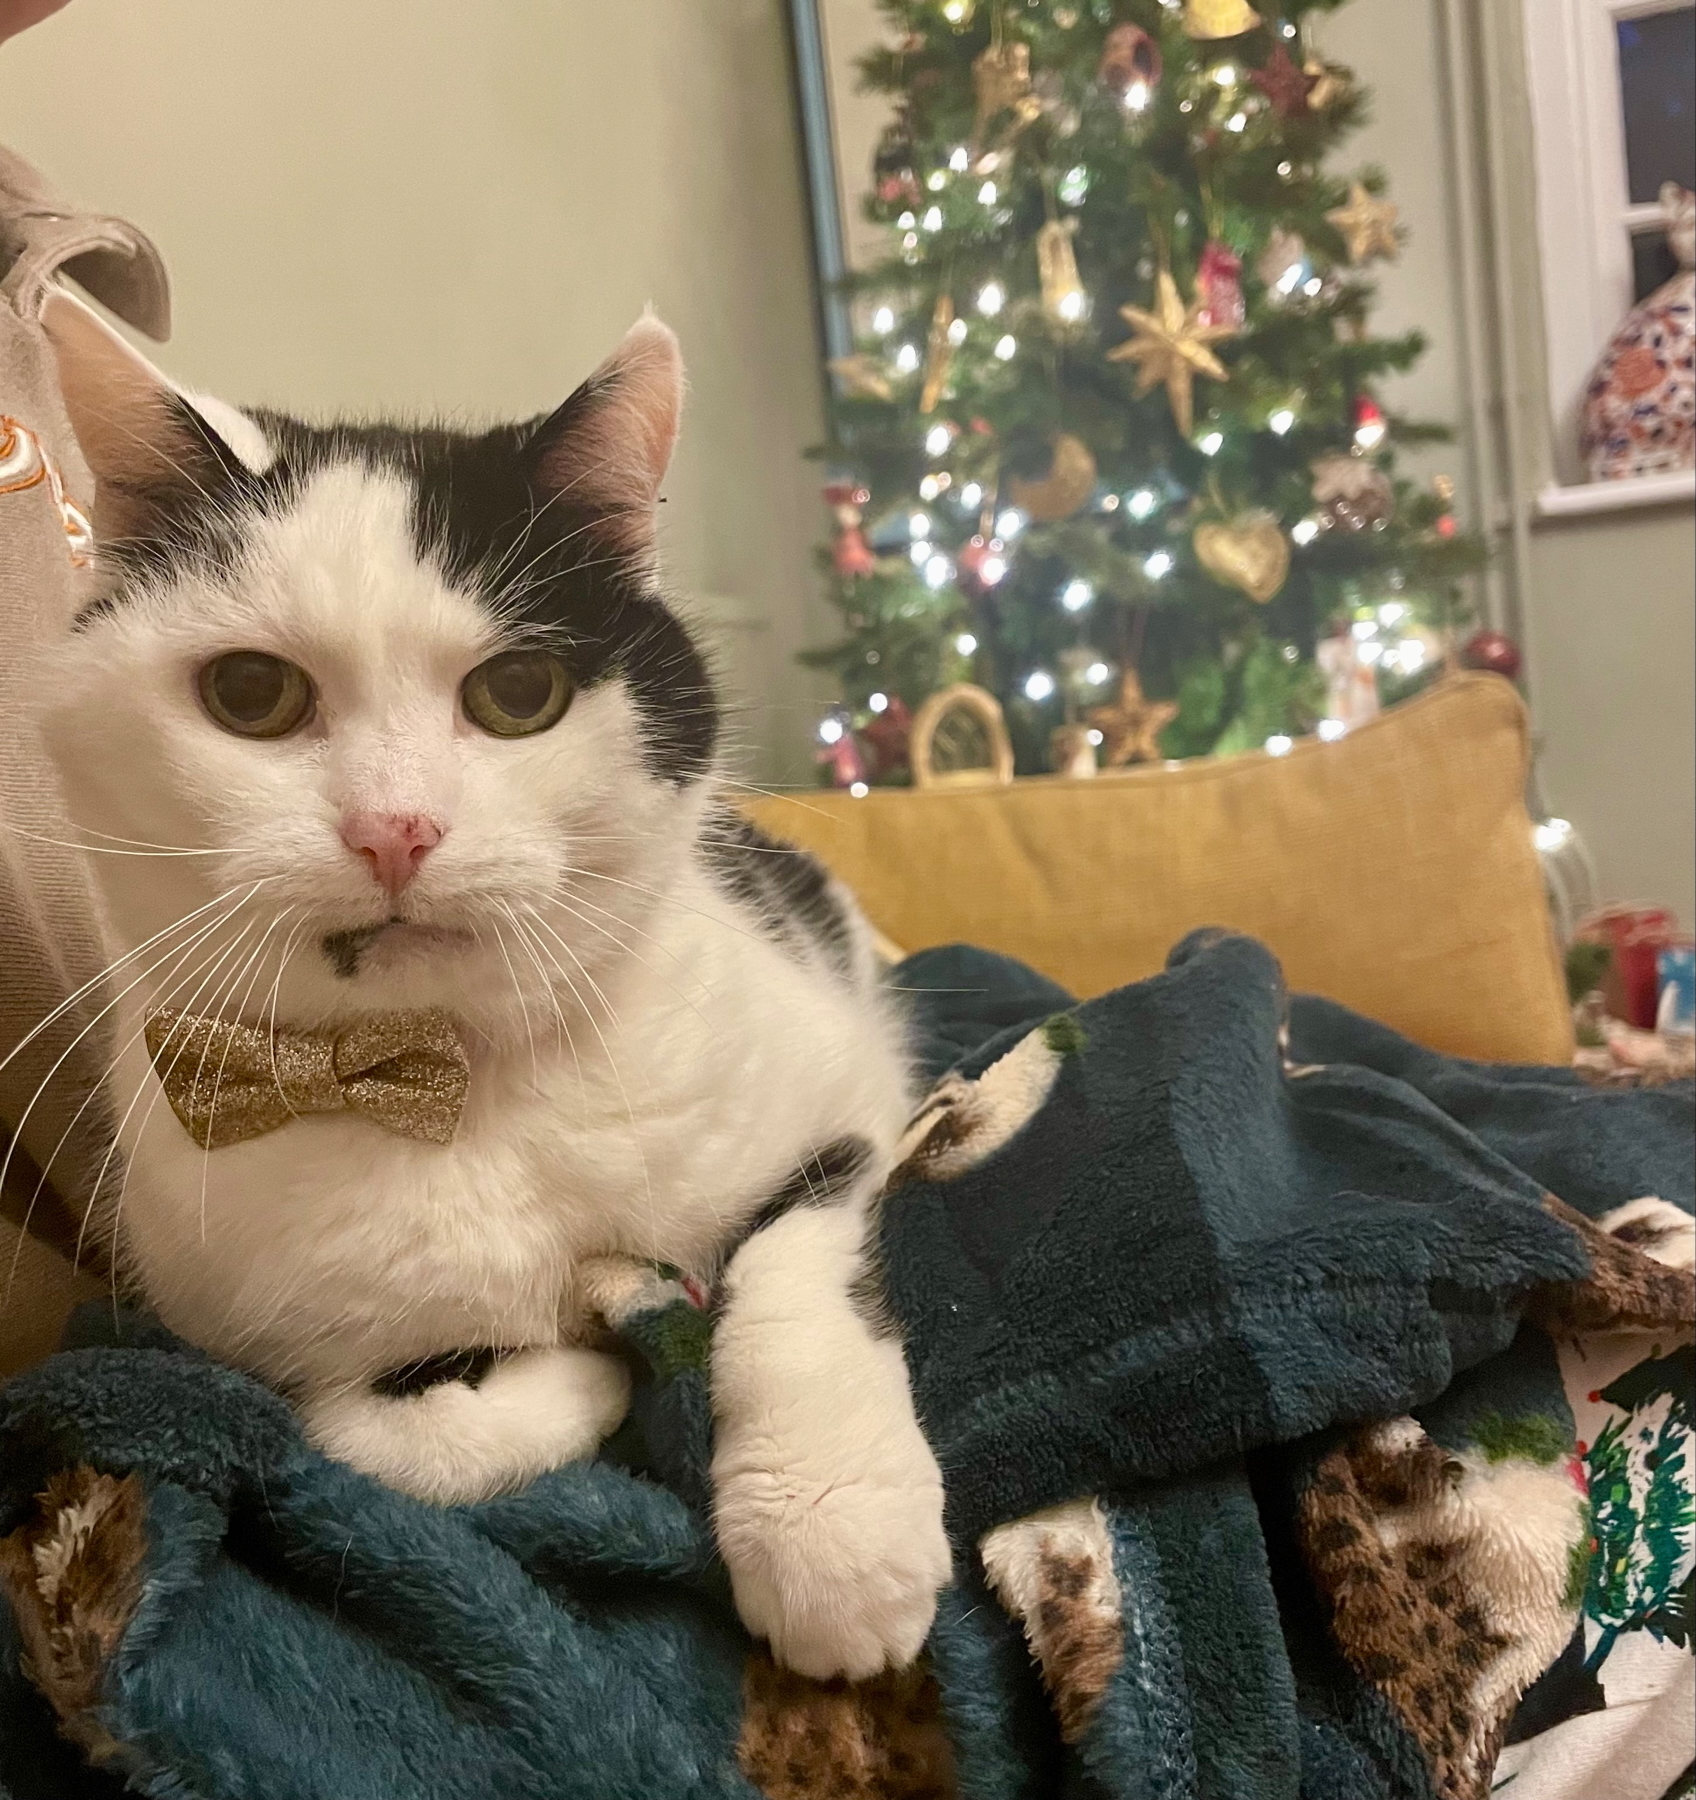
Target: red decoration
844 761
1219 288
1492 651
1283 83
887 736
850 554
970 560
1636 935
1446 527
1129 56
892 167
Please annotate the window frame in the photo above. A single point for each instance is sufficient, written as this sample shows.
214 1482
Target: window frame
1586 223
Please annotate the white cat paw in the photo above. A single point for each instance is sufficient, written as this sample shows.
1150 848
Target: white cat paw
535 1410
838 1568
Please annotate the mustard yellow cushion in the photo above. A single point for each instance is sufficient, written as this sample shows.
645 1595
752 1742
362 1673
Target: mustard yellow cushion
1393 870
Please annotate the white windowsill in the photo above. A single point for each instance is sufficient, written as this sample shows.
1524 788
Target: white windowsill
1673 488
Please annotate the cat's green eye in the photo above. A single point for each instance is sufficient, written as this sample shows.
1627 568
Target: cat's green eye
256 695
517 693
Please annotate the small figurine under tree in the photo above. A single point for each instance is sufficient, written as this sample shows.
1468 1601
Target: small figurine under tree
1115 410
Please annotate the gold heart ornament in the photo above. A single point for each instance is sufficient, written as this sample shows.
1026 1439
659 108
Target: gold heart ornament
1250 553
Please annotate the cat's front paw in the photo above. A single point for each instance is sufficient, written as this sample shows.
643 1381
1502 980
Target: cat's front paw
835 1558
455 1442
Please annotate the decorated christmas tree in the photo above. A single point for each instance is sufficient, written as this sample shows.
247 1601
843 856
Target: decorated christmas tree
1110 444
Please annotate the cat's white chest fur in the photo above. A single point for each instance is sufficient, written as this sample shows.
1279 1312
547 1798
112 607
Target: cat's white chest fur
331 1248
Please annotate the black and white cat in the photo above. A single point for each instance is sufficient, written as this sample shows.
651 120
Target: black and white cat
370 718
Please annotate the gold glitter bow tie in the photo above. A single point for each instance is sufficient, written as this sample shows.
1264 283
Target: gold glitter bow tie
405 1071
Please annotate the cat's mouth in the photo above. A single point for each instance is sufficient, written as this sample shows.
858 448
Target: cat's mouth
388 944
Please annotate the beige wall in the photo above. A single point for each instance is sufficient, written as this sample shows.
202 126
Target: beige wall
436 207
1606 601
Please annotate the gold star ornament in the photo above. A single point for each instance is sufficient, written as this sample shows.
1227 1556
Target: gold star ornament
1171 346
1130 728
1368 225
1326 83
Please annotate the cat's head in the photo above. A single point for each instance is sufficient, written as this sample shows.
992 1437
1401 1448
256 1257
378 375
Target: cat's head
416 689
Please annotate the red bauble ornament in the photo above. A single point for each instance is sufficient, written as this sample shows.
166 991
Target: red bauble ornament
1219 287
1493 651
1446 527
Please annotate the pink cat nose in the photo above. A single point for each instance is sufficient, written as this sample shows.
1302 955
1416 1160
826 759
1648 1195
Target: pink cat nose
395 843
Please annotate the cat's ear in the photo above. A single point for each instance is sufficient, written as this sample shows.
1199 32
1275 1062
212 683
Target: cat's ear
606 450
152 447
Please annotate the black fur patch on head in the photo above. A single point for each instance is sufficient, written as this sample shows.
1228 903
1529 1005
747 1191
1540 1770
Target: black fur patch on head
546 568
789 892
179 512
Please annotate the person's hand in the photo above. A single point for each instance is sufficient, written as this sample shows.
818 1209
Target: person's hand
19 15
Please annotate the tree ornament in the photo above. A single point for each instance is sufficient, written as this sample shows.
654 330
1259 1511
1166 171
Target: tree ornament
1283 266
973 554
939 353
1351 493
895 181
1443 486
1049 91
1064 489
862 376
959 13
1130 58
1063 296
887 737
1171 346
1219 287
1639 413
1370 425
1071 753
850 554
841 755
1130 728
1325 84
952 729
1001 82
1368 226
1208 19
1351 685
1249 553
1492 651
1282 83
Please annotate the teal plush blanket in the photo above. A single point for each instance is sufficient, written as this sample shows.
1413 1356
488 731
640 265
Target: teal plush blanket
1233 1321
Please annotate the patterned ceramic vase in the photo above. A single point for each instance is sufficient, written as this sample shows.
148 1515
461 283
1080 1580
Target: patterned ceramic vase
1640 408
